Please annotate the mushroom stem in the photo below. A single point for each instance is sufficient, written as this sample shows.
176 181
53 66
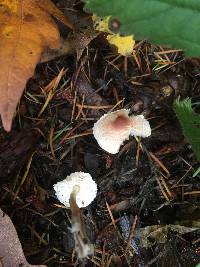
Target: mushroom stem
82 244
77 220
76 191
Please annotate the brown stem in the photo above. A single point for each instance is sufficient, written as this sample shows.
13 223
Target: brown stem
82 244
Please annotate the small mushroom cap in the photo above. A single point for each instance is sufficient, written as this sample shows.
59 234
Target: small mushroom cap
84 196
112 129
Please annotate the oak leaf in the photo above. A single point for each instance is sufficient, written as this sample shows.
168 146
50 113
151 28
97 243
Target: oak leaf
26 29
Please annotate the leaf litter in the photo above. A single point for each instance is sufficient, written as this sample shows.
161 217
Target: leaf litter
11 253
27 29
147 184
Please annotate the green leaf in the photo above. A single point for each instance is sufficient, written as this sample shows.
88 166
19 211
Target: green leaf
197 172
190 122
170 22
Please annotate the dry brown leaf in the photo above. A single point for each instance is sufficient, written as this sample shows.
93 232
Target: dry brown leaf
78 43
66 47
54 11
26 29
82 39
11 253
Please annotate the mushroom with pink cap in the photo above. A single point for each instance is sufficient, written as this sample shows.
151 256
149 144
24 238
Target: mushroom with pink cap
113 128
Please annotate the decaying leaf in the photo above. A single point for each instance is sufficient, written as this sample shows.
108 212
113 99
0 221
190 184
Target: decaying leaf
149 235
51 54
77 43
11 253
82 39
26 29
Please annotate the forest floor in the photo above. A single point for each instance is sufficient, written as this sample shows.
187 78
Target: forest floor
147 209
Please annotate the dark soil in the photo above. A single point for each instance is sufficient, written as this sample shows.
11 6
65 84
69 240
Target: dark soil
148 183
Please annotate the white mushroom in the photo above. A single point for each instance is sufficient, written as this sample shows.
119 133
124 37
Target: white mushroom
79 183
76 191
112 129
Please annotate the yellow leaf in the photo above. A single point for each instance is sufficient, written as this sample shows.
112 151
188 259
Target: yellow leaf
124 44
11 5
101 24
26 29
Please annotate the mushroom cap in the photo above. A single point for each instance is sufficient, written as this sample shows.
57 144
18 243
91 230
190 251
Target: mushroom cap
108 132
112 129
87 189
140 126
